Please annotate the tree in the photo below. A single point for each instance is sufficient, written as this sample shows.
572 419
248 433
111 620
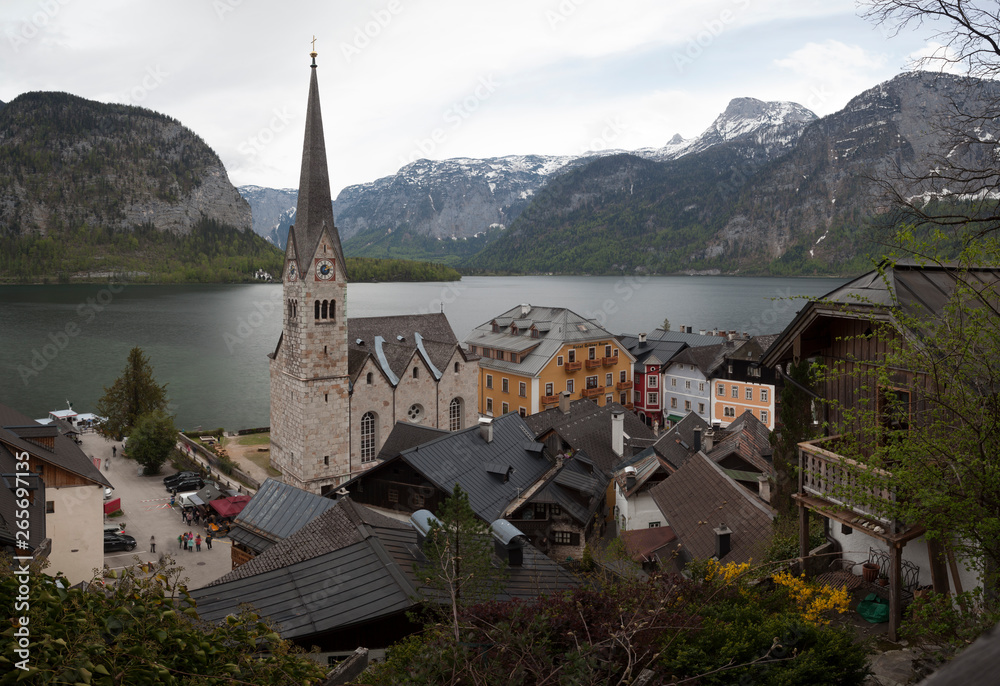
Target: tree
132 395
459 550
130 629
666 324
152 440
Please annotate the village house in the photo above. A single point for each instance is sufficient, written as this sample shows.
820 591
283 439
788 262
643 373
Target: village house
530 354
836 328
65 492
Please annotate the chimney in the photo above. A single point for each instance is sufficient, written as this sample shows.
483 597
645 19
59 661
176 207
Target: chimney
564 402
697 439
701 332
629 478
723 541
764 488
525 309
708 441
508 542
656 427
642 340
715 332
486 429
618 432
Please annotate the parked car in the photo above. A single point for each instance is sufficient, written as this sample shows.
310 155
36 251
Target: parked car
108 492
114 542
170 481
117 528
193 483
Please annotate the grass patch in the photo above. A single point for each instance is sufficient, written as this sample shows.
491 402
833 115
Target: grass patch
254 439
263 460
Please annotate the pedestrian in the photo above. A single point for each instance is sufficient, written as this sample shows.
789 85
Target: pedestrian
208 540
197 543
180 541
173 500
189 518
152 544
190 542
114 451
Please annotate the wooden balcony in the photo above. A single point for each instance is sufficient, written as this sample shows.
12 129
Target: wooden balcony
623 385
570 367
593 364
609 361
550 399
592 392
629 405
842 481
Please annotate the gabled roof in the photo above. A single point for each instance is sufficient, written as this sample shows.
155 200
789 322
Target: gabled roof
915 290
66 454
314 211
642 544
749 439
393 341
656 335
577 475
706 358
556 326
677 445
347 567
274 513
699 497
648 464
405 435
587 427
651 352
462 458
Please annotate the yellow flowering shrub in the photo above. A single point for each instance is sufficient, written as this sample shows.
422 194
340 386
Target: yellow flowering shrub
814 600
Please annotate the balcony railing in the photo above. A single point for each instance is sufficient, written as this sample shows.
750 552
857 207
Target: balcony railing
592 392
550 399
609 361
630 405
593 364
573 367
841 480
624 385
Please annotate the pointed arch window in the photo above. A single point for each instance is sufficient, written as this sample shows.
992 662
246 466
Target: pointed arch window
323 314
369 378
455 414
316 307
369 436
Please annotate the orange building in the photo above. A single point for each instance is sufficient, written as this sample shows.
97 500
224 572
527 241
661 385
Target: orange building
529 355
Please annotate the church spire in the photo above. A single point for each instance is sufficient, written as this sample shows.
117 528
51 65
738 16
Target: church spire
315 208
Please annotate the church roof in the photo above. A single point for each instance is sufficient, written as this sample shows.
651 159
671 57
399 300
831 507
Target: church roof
314 211
429 336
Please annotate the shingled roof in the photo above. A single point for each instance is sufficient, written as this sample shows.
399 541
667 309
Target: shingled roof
748 439
677 444
699 497
587 427
349 566
392 341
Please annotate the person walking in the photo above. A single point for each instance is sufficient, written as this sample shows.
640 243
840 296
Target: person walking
197 543
197 517
180 541
208 540
152 544
114 451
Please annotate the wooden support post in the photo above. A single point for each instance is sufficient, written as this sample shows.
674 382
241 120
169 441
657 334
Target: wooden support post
803 515
895 590
956 579
939 567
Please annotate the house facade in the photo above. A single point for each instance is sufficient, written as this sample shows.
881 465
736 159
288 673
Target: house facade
530 354
740 384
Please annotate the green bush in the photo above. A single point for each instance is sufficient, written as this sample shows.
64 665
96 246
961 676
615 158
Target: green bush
953 622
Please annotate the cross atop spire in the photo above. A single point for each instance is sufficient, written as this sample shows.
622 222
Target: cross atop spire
314 211
313 53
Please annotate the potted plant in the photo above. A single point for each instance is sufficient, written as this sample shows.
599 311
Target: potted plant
870 571
883 580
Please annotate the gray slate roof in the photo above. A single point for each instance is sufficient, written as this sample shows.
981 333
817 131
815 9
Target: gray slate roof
274 513
587 427
556 326
462 458
406 435
677 445
749 439
692 339
431 332
349 566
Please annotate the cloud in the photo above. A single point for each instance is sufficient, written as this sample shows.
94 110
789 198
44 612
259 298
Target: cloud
937 57
828 74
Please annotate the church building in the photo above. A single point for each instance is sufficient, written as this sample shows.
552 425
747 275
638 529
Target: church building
337 387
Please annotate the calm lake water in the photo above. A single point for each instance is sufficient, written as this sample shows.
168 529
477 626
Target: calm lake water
209 343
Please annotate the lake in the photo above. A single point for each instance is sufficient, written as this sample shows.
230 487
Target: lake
209 343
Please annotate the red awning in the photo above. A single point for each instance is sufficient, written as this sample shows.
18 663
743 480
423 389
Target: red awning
112 505
231 506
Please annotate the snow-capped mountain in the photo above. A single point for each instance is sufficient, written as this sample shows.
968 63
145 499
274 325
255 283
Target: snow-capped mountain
269 205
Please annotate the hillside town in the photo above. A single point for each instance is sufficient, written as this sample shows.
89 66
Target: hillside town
584 457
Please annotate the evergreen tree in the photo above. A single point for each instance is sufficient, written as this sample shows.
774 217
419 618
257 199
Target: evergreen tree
132 395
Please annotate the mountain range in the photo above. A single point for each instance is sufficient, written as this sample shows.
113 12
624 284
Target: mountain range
768 187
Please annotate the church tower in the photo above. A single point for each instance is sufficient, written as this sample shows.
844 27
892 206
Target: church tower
309 375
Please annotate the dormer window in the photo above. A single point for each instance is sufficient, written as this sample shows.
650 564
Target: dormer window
496 327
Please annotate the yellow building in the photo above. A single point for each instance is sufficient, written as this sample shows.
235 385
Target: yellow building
529 355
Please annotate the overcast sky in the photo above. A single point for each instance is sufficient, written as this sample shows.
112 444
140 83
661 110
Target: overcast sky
402 79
